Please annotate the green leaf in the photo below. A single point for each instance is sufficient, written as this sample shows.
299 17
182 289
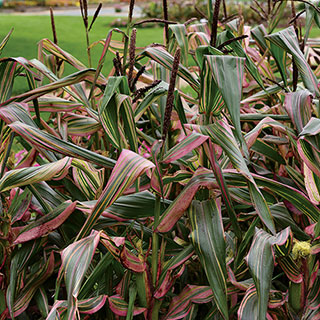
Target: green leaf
48 141
127 169
209 242
287 40
25 176
261 263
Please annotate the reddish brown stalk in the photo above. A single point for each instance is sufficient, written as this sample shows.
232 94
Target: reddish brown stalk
55 39
136 78
96 14
214 21
85 11
155 20
119 64
53 26
170 97
116 67
132 56
131 6
225 14
139 93
166 17
230 41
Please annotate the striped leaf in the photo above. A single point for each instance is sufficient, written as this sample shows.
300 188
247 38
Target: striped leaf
238 50
164 58
79 125
88 179
120 306
8 71
16 112
287 40
55 104
211 101
299 108
42 301
181 305
182 202
46 224
260 260
228 73
19 262
35 280
5 40
308 145
75 261
312 183
128 168
48 141
114 107
92 305
249 305
178 37
209 242
25 176
189 143
40 91
221 134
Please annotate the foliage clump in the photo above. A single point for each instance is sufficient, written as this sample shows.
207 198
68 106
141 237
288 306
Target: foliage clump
184 184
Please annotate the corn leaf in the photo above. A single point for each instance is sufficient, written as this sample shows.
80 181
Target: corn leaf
25 176
287 40
48 141
209 242
127 169
260 260
47 223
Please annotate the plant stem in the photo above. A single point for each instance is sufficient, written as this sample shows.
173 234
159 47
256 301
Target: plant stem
88 48
214 22
155 242
155 309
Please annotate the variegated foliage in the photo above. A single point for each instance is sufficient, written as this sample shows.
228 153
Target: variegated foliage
138 195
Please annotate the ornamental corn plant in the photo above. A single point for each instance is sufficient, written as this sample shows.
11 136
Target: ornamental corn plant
185 184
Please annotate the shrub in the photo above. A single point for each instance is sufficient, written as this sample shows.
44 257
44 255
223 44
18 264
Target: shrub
137 199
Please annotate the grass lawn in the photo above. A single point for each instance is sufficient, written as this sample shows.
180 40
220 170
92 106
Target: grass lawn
28 30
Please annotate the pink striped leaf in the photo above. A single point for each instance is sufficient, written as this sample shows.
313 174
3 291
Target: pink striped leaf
299 107
31 286
75 261
164 58
116 114
47 223
5 40
181 305
55 104
120 306
261 260
309 145
88 179
182 202
208 239
221 134
128 168
227 72
41 139
92 305
16 112
8 71
287 40
25 176
312 183
40 91
191 142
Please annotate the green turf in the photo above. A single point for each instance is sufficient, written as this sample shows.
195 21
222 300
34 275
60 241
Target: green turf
28 30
